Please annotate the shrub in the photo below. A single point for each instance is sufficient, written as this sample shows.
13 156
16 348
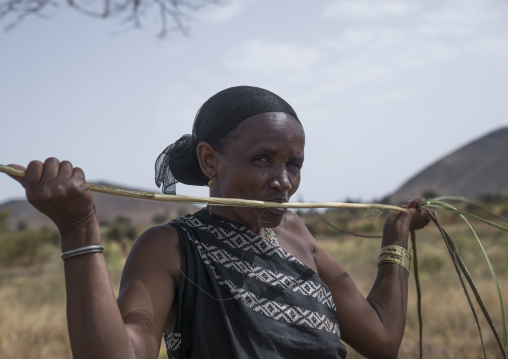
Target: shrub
4 216
26 248
122 231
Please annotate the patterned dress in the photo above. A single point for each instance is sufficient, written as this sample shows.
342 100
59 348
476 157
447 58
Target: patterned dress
240 296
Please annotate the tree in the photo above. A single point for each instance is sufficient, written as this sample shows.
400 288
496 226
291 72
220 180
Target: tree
173 13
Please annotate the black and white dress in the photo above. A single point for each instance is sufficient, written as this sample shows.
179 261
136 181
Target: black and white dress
240 296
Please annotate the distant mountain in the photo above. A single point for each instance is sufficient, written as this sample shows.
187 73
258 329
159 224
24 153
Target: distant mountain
475 170
108 207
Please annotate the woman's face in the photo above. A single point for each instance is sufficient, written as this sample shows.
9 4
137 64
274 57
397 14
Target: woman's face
260 160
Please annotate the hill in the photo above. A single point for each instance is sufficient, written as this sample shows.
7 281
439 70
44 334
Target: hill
108 207
478 169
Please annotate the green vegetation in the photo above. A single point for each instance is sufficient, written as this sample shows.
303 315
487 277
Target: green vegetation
27 247
4 215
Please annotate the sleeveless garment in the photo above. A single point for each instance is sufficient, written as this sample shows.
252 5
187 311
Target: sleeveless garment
240 296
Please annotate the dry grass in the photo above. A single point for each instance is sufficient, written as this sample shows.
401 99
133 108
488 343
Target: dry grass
32 314
449 329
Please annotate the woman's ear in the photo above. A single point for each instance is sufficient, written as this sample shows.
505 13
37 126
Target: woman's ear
207 159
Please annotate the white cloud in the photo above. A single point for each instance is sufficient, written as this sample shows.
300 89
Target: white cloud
261 56
368 9
409 35
420 38
224 11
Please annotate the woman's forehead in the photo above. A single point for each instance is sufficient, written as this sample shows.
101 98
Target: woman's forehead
269 130
269 122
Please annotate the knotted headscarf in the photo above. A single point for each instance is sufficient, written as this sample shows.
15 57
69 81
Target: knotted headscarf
216 118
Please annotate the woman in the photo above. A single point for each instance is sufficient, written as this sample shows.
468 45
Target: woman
226 282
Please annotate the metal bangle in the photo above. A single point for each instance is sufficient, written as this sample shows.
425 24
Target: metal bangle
82 250
394 249
395 258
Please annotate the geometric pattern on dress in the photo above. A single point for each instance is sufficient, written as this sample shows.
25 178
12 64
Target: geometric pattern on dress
288 314
282 312
279 311
173 340
307 288
240 237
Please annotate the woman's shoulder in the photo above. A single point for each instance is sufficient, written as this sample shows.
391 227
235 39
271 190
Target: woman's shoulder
162 235
157 246
296 239
294 224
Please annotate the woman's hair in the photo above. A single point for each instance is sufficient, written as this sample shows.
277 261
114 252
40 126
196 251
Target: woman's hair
218 116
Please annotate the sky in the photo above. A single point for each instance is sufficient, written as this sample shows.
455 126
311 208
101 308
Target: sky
382 88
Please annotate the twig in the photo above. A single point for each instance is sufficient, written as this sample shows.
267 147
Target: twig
346 232
462 271
215 201
418 291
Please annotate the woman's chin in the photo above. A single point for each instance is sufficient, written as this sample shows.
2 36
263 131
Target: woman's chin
272 217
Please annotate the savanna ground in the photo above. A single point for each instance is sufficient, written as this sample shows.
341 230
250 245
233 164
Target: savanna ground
32 295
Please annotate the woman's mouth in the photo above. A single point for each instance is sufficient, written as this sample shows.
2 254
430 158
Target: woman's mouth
277 211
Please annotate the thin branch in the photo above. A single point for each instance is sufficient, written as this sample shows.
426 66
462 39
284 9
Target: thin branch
23 8
173 14
215 201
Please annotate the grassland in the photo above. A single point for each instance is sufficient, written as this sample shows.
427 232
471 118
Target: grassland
32 296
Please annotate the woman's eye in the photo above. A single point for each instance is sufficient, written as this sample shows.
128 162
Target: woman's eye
294 165
261 159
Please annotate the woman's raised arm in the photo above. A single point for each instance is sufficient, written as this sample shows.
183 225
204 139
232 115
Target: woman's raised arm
374 326
99 327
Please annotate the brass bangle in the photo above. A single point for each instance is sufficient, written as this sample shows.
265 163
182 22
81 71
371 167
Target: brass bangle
394 257
402 261
398 250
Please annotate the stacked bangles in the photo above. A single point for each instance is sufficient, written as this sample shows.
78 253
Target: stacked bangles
395 254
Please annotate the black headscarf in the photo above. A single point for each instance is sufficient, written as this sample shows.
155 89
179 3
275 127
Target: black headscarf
218 116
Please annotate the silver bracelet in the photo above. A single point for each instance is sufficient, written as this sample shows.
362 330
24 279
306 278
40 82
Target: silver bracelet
82 250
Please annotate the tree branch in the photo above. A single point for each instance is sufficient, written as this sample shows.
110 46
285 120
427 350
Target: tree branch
173 14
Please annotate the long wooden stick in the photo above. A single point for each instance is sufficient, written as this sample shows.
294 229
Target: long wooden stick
215 201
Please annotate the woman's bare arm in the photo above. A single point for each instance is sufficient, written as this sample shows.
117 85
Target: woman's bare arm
373 326
99 327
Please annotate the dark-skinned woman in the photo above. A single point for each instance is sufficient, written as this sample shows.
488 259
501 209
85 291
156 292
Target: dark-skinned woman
225 282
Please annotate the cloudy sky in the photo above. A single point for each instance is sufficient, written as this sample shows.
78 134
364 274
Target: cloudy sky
383 88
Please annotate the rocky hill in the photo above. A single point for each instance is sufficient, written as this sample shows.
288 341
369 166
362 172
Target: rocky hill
476 170
108 208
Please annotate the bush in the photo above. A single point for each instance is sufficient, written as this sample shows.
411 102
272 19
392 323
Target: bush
122 231
160 218
4 216
26 248
429 194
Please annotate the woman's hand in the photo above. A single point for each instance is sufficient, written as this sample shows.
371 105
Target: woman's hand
60 191
398 223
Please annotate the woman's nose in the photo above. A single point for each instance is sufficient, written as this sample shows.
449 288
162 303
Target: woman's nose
281 180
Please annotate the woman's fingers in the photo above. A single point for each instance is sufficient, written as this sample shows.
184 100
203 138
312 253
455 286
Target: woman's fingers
33 172
66 171
20 180
412 219
413 203
50 169
420 217
60 191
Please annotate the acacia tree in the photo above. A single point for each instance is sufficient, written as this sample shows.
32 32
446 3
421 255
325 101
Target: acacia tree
173 14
